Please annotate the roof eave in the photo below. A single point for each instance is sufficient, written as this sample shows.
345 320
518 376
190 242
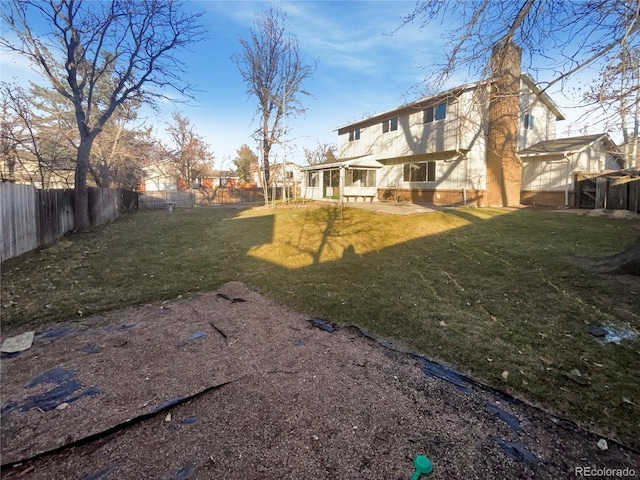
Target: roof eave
452 92
543 96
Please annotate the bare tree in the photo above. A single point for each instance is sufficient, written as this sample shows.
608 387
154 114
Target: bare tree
35 146
10 133
616 102
128 47
273 70
121 150
557 39
323 152
564 36
190 157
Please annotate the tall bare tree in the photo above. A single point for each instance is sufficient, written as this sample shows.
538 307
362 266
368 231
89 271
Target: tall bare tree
273 70
128 47
616 102
564 37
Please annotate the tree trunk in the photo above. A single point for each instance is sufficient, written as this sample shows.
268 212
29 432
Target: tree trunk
266 149
81 195
504 169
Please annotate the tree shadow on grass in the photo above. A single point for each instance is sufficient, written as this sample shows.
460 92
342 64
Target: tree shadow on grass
442 295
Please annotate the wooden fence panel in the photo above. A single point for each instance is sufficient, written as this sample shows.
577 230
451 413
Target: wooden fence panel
612 191
239 195
129 201
601 192
18 229
181 198
103 205
54 214
585 186
161 200
30 218
617 193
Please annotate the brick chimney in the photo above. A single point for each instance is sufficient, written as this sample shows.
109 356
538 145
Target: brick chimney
504 168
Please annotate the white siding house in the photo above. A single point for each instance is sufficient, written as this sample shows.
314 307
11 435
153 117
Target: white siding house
158 177
550 167
434 150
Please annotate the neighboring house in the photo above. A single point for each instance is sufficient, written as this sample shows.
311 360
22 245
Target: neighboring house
40 176
293 174
158 177
161 176
222 179
549 167
456 147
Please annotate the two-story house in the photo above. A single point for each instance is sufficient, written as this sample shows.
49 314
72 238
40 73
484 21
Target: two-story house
461 146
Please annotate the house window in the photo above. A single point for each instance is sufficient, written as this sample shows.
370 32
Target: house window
433 114
419 172
312 179
331 178
362 178
288 175
390 125
354 135
528 122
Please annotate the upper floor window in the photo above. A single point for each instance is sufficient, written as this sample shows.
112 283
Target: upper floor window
433 114
354 135
528 122
390 125
419 172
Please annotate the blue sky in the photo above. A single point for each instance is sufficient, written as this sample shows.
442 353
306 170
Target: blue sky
365 65
362 68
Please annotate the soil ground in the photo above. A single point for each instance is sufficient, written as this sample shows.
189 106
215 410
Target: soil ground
230 385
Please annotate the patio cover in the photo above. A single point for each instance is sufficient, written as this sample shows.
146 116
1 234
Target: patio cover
366 161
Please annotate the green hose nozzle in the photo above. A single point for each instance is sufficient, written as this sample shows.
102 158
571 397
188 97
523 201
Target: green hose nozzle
423 465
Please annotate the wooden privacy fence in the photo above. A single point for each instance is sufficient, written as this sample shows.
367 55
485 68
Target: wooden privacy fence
238 195
221 196
31 218
168 199
54 214
612 191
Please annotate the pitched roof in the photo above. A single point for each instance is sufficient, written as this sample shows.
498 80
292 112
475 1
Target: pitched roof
542 96
411 105
454 92
565 146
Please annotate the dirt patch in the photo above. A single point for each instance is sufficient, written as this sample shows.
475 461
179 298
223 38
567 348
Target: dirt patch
230 385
